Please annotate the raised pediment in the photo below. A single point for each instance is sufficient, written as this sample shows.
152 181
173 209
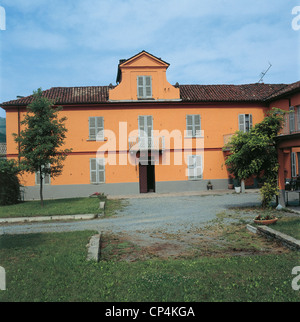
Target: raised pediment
143 77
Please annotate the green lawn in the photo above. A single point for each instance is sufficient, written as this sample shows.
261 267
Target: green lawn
53 267
59 207
288 226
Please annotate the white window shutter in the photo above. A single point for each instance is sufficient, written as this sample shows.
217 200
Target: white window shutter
93 170
144 86
191 167
149 125
140 86
101 170
148 86
189 125
242 122
142 129
100 128
46 177
250 121
92 128
197 125
198 172
37 178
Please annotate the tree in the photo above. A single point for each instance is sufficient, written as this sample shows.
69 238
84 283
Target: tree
42 139
255 153
9 182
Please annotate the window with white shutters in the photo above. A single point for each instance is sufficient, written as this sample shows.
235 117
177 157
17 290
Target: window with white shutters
46 177
193 125
97 170
195 167
245 122
144 87
96 128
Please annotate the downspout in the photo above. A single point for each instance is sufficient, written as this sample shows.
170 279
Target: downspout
19 131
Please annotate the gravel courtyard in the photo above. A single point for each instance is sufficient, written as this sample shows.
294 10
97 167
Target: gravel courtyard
148 214
162 225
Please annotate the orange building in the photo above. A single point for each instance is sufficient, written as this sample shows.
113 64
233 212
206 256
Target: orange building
144 134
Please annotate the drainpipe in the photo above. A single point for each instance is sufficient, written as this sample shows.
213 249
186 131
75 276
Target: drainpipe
19 131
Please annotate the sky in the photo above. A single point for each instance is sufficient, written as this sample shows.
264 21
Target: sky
57 43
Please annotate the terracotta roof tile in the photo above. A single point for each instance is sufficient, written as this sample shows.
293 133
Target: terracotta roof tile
249 92
188 93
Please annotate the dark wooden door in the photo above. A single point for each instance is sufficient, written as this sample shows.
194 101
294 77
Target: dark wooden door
147 176
143 178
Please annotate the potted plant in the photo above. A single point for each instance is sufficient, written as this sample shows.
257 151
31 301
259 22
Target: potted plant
266 219
209 185
237 185
230 183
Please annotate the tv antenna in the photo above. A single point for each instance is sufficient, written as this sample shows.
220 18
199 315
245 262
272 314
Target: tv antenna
264 73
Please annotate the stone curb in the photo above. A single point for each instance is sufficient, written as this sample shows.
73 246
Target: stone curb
46 218
94 247
284 239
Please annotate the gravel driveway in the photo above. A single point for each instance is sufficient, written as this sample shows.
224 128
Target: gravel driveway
161 226
170 214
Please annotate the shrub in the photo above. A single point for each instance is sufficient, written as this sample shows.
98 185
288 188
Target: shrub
9 183
268 191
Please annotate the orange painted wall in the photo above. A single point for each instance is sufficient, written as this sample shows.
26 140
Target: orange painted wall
216 120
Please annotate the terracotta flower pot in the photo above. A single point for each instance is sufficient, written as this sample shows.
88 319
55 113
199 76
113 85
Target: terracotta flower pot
266 221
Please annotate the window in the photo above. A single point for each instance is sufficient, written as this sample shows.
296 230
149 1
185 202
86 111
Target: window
193 125
195 167
145 131
245 122
96 128
46 177
97 170
293 166
145 125
292 119
144 87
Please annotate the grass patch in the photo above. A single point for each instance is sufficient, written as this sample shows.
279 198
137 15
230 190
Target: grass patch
53 268
289 226
71 206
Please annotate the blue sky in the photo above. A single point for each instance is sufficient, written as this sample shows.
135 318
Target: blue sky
49 43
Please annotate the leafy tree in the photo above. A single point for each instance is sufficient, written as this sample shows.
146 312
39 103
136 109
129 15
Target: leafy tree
42 139
9 182
255 153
